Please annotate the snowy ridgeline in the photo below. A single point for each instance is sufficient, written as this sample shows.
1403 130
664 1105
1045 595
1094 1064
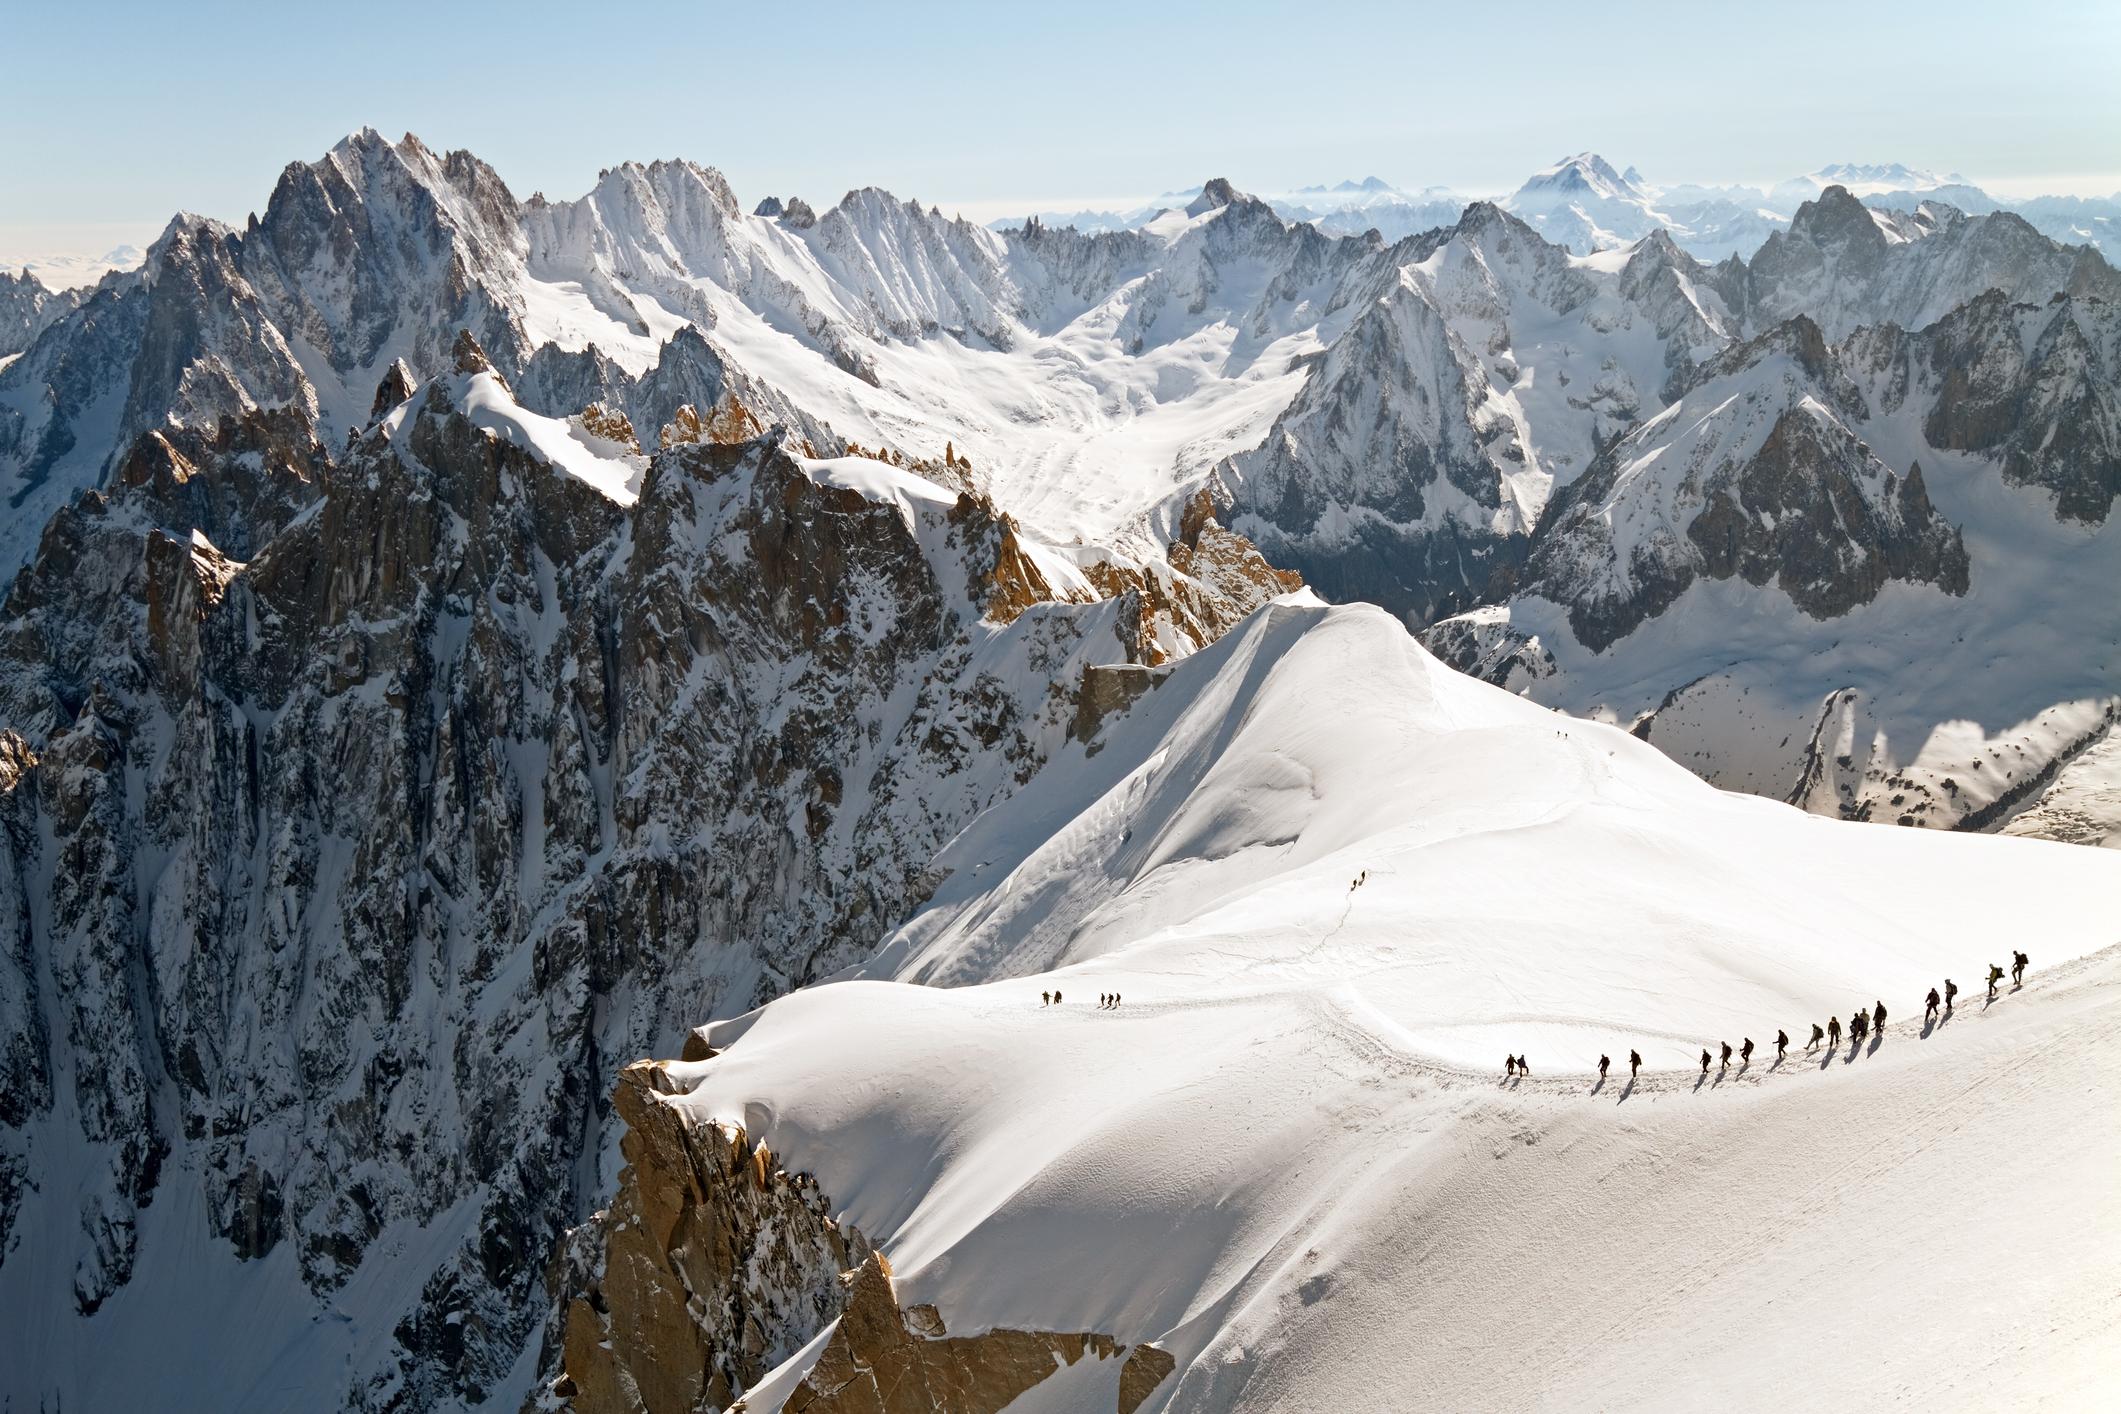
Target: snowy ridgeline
508 633
1291 1158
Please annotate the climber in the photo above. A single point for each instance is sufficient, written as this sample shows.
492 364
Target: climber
1878 1020
1056 998
1524 1067
1745 1052
1995 975
1818 1033
1603 1062
1045 999
1726 1055
1951 989
1833 1029
1704 1060
1509 1064
1931 1009
2019 962
1859 1022
1634 1064
1782 1044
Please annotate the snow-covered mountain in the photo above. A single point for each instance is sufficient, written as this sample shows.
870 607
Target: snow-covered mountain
1862 577
1287 1172
454 643
26 309
361 808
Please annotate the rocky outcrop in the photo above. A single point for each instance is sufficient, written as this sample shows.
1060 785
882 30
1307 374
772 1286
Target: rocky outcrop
1211 577
714 1265
711 1266
611 425
1108 690
885 1360
727 422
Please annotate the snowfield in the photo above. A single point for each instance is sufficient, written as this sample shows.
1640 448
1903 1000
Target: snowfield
1291 1157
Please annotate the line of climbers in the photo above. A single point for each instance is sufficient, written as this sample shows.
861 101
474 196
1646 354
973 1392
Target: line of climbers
1106 1001
1861 1024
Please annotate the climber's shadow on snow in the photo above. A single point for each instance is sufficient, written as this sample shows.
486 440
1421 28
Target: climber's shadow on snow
1877 1040
1626 1091
1701 1082
1599 1086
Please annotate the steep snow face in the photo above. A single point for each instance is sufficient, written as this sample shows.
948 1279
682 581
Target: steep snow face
1316 908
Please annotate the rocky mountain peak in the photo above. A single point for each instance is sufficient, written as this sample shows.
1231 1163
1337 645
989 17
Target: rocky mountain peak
1215 194
466 355
397 384
1836 218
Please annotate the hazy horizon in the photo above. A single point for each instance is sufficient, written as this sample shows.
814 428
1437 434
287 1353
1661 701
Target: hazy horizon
200 109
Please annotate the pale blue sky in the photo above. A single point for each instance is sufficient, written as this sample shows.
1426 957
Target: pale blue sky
114 115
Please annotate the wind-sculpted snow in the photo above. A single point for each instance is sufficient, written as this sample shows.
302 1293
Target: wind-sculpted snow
1289 1156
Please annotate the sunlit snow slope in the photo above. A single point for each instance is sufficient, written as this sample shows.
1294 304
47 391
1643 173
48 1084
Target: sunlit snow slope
1291 1158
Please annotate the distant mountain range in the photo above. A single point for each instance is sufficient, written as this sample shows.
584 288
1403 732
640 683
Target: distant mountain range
452 642
1582 203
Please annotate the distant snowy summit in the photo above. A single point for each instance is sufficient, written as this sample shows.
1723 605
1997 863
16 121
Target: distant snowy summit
1583 202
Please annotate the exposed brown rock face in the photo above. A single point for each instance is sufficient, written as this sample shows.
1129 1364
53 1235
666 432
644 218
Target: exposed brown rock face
1217 577
1109 689
395 387
726 423
468 356
717 1266
610 424
884 1360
